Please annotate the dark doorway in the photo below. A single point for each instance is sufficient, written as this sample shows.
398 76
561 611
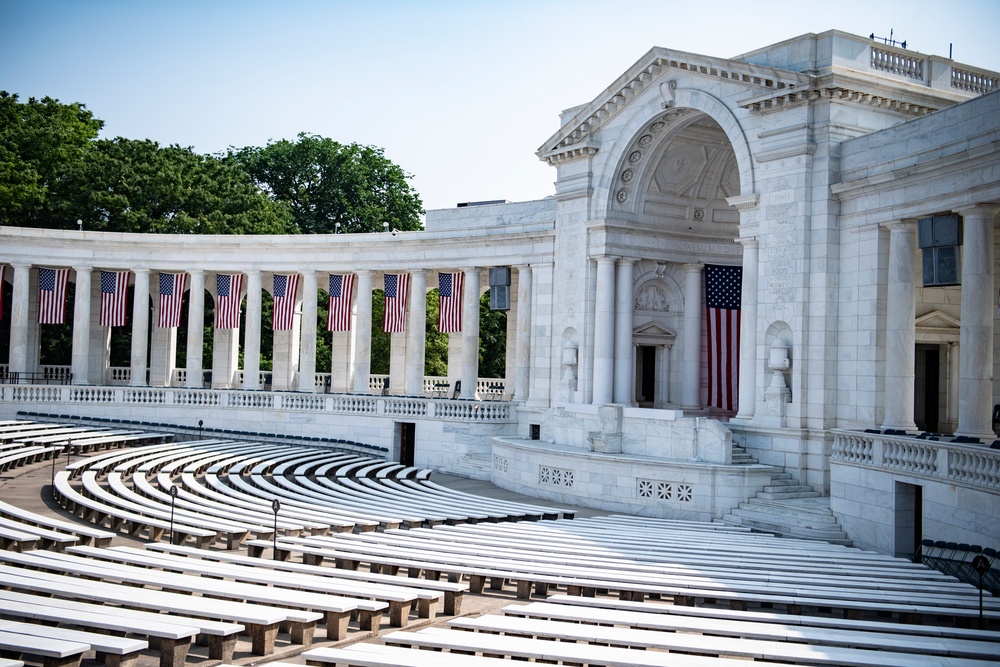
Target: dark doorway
909 519
645 374
407 442
927 396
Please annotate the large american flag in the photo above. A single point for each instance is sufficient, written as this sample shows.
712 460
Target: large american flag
52 295
171 297
450 305
285 289
396 287
722 306
339 308
114 296
228 298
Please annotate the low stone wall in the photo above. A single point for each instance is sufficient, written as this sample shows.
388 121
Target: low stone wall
624 482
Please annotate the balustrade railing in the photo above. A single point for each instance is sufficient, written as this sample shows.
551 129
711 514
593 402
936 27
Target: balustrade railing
950 462
974 81
346 404
897 62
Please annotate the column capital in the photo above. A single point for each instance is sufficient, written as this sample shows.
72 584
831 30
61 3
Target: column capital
902 225
195 272
605 259
978 210
627 261
693 267
140 271
749 242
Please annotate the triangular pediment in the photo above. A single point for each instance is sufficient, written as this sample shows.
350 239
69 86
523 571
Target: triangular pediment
574 138
936 326
652 333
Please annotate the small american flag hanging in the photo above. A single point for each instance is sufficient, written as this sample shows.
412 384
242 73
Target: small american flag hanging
52 295
228 290
285 289
171 297
723 285
339 307
396 288
114 294
450 305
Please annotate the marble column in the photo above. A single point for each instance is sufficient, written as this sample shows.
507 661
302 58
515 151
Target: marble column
307 348
140 328
954 380
251 339
748 330
691 359
19 308
81 325
522 364
624 363
416 343
196 329
470 334
975 393
604 332
363 332
900 334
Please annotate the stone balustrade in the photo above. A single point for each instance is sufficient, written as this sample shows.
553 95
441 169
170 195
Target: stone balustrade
948 462
58 398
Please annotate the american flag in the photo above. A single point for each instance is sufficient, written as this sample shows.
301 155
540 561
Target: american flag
285 289
171 297
52 295
339 308
396 287
450 307
228 298
3 269
114 294
722 306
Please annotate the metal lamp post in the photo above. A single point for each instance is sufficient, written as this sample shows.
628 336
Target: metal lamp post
275 506
173 497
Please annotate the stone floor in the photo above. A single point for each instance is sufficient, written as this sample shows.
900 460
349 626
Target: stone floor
29 487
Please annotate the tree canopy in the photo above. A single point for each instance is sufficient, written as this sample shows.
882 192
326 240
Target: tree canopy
54 171
332 187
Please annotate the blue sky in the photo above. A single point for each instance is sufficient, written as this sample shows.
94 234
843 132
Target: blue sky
459 94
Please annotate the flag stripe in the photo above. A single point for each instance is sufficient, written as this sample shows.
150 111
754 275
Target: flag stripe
396 288
52 295
171 298
286 288
722 299
114 296
450 288
339 306
228 299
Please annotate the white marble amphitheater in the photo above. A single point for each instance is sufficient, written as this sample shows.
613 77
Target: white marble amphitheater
856 185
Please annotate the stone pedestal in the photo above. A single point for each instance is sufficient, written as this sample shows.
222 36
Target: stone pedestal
609 439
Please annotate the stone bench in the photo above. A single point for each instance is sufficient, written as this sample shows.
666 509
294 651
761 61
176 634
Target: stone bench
379 655
53 652
117 651
98 512
429 591
47 539
172 637
300 607
261 620
85 533
399 598
756 627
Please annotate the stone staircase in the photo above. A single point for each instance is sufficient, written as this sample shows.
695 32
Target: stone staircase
786 508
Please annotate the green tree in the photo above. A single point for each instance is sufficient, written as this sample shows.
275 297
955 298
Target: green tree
40 142
381 341
327 184
128 185
435 342
492 340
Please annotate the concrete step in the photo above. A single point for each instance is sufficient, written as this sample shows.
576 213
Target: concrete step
753 512
782 493
807 518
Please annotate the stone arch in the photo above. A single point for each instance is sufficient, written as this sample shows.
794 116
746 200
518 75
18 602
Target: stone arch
644 117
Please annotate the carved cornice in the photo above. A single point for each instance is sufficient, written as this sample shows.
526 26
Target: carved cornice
570 153
744 202
835 93
647 71
805 148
